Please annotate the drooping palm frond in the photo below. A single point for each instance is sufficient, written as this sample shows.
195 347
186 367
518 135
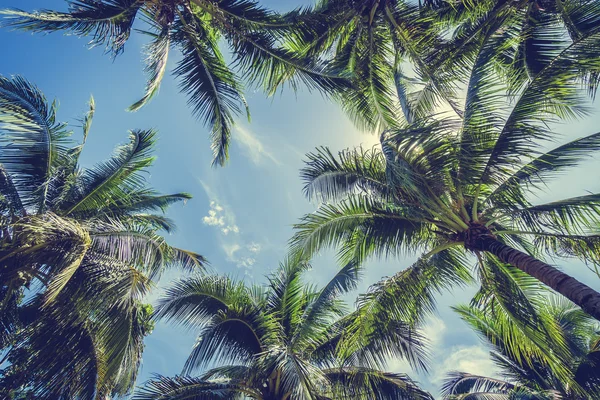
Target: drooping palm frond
214 91
33 143
458 382
530 33
542 367
157 54
438 182
108 22
253 33
113 178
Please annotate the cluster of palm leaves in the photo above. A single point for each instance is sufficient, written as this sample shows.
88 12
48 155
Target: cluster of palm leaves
465 95
79 249
287 340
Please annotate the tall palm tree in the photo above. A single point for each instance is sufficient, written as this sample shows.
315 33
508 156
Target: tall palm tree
451 188
196 28
286 340
379 44
79 248
530 377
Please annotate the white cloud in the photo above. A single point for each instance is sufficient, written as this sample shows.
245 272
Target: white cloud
434 330
472 359
237 251
253 247
246 262
218 217
243 256
230 249
253 147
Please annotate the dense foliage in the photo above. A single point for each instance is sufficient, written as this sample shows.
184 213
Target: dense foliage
79 250
465 95
287 340
576 344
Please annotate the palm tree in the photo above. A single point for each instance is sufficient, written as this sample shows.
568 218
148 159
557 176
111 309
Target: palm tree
286 340
531 32
451 188
195 27
375 42
531 377
79 248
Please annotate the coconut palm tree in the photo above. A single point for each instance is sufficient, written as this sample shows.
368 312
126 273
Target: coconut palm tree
195 28
79 248
386 48
452 189
286 340
530 377
531 32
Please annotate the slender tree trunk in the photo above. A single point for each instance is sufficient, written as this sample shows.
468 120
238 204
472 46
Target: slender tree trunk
582 295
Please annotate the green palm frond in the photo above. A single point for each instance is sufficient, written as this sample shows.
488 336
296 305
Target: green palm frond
33 143
113 178
363 383
181 387
361 226
78 253
214 91
457 382
555 92
108 22
192 302
329 178
157 54
282 340
542 168
233 335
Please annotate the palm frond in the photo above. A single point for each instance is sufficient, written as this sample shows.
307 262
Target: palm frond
182 387
364 383
329 178
458 382
108 22
112 179
32 143
214 91
157 53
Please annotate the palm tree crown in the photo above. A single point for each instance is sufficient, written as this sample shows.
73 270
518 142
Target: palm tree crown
577 348
529 32
452 188
287 340
79 248
380 45
195 27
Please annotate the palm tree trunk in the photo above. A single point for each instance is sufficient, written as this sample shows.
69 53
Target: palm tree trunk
582 295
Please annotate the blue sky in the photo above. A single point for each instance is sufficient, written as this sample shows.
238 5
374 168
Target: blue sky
241 216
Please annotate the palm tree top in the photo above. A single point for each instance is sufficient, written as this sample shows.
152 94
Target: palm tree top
285 340
574 344
440 186
79 250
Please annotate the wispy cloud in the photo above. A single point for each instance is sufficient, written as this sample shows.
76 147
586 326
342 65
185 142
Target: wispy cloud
253 146
237 250
217 217
243 256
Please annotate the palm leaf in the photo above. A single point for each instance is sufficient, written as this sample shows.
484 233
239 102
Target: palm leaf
108 22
